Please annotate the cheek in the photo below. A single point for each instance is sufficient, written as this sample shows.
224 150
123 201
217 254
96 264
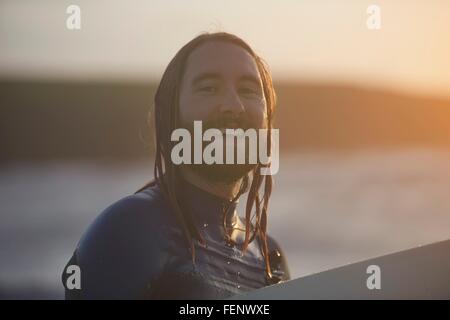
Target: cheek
257 111
192 108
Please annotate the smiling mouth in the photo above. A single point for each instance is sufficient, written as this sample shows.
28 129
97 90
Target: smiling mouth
232 132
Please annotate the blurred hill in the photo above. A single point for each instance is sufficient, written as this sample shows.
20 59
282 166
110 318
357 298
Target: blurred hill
75 120
342 117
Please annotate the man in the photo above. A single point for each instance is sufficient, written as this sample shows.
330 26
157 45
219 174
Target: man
179 236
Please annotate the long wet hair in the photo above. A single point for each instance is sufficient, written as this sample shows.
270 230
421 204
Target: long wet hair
167 176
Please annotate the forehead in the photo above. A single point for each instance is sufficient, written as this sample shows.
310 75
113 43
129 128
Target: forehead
224 58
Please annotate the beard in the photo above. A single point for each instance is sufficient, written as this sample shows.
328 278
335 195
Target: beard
226 173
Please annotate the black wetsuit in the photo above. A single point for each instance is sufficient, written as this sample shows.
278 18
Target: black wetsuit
136 249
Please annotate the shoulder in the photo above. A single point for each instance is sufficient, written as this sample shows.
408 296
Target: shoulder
147 203
278 260
128 218
123 247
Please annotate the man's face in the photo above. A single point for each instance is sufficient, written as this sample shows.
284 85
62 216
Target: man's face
222 88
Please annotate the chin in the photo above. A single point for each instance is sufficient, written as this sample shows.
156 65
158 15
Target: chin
223 172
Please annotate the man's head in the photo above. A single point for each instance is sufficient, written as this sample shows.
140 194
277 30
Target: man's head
218 79
221 86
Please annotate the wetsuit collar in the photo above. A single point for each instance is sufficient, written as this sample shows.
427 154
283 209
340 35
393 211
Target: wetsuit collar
207 208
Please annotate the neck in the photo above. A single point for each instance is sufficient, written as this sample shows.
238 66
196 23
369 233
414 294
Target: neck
224 190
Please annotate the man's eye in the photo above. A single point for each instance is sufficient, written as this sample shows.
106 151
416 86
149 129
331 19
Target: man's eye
208 89
248 91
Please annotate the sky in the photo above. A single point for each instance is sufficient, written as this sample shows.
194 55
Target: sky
309 40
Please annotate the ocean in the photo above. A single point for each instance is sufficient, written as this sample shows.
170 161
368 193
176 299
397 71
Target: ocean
327 209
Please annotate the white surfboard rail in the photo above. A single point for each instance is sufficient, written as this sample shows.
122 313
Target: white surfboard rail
418 273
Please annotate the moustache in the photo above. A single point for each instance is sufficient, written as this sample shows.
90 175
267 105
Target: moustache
229 122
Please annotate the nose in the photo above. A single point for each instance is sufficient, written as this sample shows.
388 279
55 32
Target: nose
232 103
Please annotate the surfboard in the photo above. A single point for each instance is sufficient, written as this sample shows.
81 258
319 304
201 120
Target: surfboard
419 273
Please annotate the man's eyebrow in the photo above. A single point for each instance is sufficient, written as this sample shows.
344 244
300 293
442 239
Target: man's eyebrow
214 76
205 76
251 78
